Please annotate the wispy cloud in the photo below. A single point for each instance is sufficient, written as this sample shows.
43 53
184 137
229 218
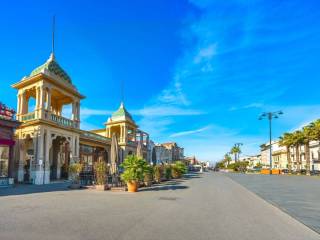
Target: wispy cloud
166 111
190 132
251 105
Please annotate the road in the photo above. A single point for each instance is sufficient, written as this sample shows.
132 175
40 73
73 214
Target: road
204 206
297 195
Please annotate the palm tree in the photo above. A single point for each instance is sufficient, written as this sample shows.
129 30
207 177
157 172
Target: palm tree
298 140
227 158
309 135
313 132
287 141
236 151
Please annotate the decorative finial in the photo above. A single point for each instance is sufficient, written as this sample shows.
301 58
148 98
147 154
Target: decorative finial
53 30
122 91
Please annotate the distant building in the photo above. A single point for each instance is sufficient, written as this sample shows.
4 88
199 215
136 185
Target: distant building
254 161
168 152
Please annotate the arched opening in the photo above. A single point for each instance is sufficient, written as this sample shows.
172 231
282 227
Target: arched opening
59 158
28 159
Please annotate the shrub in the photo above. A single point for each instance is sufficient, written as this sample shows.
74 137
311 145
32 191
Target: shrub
148 173
239 166
167 172
158 172
75 170
134 169
178 169
100 171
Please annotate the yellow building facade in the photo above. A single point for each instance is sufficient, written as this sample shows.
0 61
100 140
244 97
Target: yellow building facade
47 143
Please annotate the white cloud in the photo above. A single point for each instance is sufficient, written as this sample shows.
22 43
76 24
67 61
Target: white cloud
191 132
205 54
165 111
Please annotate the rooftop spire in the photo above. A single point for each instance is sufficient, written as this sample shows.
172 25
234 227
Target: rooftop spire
122 92
53 30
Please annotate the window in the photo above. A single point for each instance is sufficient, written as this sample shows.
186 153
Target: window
4 160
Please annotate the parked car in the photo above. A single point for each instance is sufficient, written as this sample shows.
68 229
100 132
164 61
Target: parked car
315 172
285 171
303 171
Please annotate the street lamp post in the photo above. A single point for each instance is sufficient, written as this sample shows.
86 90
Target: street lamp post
270 116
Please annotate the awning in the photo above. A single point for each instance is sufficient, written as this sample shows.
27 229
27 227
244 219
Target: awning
8 142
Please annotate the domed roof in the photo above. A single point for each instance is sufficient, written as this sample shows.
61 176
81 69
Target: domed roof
52 67
121 112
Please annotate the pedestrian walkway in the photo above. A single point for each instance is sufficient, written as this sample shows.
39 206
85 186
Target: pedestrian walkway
203 207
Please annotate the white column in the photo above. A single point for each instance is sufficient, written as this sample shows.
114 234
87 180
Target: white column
125 133
73 116
42 171
78 110
46 161
49 100
121 133
18 104
21 146
41 102
23 103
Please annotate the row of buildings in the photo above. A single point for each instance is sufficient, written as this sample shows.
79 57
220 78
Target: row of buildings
280 157
39 144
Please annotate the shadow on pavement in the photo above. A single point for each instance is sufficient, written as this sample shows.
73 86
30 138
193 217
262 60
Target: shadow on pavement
22 189
191 175
163 188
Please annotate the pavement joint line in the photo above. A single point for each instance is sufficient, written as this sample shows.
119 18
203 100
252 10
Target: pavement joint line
276 206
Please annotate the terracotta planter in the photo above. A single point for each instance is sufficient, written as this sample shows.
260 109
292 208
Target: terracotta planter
132 186
101 187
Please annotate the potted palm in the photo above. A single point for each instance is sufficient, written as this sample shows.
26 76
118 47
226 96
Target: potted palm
74 171
148 176
178 169
134 168
167 171
100 169
158 171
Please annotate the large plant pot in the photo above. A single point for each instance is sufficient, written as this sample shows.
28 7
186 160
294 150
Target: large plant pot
101 187
132 186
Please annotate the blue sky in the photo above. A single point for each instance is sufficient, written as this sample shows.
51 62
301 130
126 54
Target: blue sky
197 72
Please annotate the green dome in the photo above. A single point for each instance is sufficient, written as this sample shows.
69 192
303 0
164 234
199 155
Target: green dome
53 67
121 112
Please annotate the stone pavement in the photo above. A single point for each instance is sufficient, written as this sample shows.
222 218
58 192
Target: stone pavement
203 206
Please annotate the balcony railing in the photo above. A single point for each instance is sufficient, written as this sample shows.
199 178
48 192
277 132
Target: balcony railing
28 117
62 121
95 136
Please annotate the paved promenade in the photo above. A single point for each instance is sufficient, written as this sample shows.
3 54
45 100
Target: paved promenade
299 196
205 206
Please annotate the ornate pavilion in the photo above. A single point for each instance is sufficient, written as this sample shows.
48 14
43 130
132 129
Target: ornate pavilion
47 142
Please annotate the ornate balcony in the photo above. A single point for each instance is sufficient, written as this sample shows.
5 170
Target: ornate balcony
65 122
28 117
94 136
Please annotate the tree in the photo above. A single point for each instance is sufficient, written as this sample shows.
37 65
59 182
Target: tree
227 158
298 140
286 140
236 151
309 135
